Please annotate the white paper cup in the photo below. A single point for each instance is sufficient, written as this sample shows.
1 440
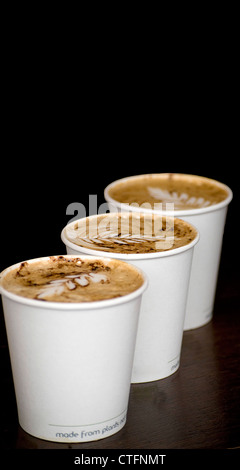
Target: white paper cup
160 329
72 363
210 222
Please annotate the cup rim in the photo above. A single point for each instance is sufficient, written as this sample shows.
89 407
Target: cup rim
127 256
67 306
178 212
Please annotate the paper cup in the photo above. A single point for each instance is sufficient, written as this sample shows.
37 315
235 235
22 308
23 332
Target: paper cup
72 363
160 329
210 222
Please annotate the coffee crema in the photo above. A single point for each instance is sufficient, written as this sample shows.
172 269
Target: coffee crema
64 279
184 191
130 233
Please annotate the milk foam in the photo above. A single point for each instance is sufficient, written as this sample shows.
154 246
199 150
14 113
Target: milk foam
185 191
130 233
71 279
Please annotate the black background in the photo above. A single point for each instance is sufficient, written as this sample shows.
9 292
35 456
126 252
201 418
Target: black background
77 118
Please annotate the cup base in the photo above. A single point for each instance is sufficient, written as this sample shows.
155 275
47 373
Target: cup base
193 325
77 434
153 378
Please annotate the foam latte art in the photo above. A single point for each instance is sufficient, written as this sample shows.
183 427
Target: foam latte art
178 199
72 279
71 282
130 233
186 192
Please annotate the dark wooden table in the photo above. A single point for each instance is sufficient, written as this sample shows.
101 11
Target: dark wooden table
198 407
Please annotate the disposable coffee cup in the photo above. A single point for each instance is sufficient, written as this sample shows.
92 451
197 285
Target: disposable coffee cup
208 218
72 362
160 329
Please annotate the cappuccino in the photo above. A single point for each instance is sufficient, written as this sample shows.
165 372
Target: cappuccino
198 200
162 247
130 233
72 357
71 279
184 191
